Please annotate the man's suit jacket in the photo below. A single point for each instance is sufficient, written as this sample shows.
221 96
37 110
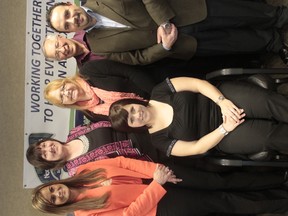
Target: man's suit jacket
125 199
137 44
114 76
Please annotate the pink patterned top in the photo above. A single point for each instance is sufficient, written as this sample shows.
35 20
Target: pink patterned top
102 99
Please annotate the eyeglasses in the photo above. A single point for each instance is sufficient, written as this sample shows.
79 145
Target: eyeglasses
57 55
62 91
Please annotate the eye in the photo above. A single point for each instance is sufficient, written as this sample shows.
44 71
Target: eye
66 26
57 55
132 110
131 120
51 189
66 14
62 93
57 44
53 199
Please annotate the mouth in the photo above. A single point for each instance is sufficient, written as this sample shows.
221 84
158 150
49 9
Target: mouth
78 20
72 95
60 193
141 115
67 49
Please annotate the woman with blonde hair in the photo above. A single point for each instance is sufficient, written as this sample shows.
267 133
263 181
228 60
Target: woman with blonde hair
99 84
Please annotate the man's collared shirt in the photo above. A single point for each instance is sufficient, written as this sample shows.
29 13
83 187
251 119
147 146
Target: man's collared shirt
83 58
102 22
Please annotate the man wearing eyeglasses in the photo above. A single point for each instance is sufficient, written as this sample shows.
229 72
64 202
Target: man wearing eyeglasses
57 47
142 32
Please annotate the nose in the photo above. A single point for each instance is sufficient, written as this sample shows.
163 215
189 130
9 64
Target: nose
59 193
70 20
61 49
66 92
51 148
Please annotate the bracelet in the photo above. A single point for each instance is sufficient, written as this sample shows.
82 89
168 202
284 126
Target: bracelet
223 130
220 98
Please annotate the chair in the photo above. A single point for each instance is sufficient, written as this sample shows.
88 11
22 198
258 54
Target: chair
266 78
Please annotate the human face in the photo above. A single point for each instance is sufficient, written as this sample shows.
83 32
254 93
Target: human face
67 94
60 48
70 18
51 150
56 194
138 115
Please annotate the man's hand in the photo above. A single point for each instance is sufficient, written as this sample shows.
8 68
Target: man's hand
167 36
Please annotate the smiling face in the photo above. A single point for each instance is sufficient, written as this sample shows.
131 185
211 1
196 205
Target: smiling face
138 115
70 18
51 150
67 94
56 194
60 48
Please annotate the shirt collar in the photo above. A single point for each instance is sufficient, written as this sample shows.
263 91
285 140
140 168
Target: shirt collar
90 13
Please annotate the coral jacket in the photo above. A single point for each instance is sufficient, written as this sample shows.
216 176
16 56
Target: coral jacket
125 199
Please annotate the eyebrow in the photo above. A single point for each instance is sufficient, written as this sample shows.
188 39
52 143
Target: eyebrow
65 23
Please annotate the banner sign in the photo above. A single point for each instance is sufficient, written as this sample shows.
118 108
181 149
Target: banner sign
42 119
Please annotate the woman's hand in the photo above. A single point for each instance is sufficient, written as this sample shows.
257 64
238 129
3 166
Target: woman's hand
163 174
230 124
230 110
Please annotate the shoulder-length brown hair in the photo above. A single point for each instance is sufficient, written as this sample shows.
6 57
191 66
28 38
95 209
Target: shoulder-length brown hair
34 156
80 181
119 116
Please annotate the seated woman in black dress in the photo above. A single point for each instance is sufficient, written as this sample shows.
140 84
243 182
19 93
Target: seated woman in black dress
99 84
183 122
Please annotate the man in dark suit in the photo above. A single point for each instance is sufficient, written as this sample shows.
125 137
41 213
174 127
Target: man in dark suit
142 32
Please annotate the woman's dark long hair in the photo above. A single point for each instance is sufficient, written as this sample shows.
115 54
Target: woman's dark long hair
34 156
119 116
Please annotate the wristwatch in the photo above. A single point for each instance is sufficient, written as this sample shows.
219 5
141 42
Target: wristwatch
222 130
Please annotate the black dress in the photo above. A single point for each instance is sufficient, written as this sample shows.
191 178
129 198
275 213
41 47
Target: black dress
265 126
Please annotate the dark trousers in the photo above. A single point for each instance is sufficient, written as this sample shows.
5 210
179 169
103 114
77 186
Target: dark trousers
227 181
266 120
237 26
183 202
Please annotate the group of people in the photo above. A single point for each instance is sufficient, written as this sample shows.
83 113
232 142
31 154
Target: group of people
125 161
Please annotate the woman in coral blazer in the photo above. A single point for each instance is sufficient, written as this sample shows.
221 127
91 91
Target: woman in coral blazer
120 186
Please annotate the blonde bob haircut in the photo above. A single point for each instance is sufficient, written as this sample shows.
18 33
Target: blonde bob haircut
58 83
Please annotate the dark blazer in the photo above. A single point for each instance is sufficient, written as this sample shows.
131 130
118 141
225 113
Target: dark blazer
114 76
137 44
